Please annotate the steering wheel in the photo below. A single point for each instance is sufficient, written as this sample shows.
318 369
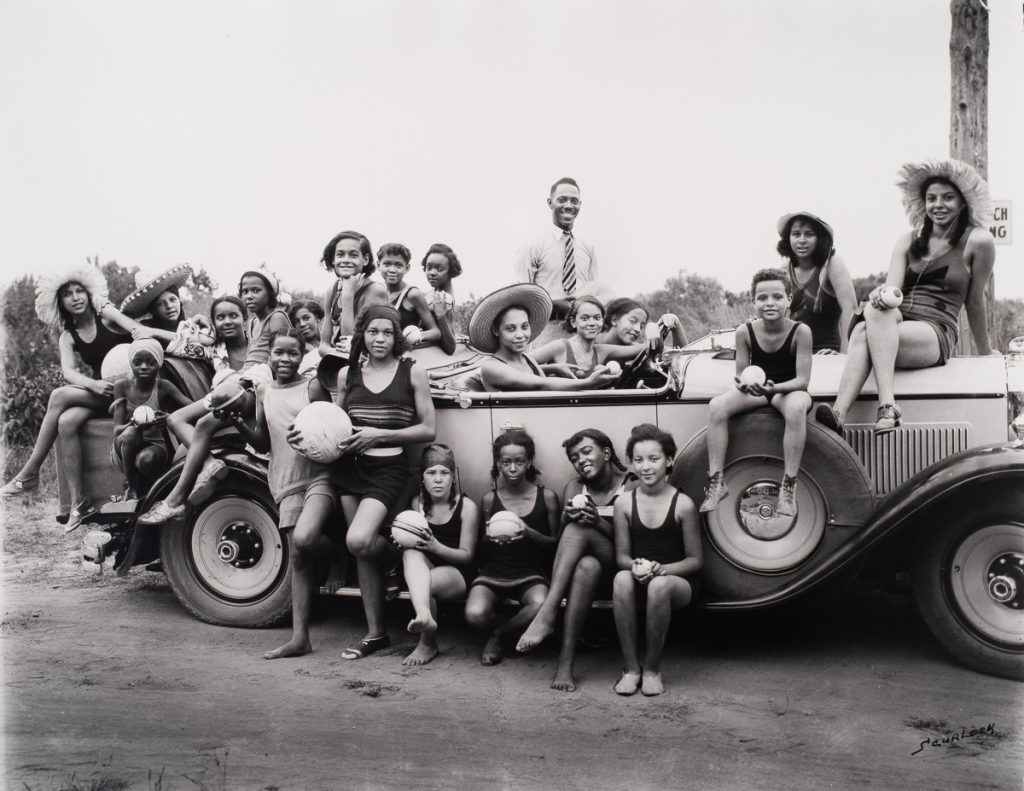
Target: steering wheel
632 371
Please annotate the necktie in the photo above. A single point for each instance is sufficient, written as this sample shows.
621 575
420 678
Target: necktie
569 267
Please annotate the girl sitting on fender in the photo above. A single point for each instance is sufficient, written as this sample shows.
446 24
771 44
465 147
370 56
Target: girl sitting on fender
782 349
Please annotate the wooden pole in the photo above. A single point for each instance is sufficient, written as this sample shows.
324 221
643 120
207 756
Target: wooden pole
968 111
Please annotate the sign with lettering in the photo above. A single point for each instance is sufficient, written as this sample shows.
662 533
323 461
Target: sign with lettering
1001 229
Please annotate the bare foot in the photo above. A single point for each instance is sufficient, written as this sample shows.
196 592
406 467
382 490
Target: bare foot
652 684
421 655
563 680
536 633
492 653
425 625
628 684
294 647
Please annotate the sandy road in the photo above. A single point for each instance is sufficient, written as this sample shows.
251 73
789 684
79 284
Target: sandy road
111 682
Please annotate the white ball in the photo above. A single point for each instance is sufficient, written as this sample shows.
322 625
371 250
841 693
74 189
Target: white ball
413 334
504 524
409 527
116 364
753 375
641 568
323 425
613 368
891 296
652 331
143 415
579 501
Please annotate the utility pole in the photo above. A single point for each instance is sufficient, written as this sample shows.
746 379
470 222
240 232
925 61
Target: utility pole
968 110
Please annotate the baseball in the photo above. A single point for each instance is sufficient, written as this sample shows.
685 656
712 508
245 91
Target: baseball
579 501
413 334
753 375
143 415
641 568
613 368
890 296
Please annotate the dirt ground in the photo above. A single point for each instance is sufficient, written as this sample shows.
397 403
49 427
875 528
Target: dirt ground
109 684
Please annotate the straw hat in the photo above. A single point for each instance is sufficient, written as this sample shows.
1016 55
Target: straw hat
533 299
48 289
148 287
785 219
966 179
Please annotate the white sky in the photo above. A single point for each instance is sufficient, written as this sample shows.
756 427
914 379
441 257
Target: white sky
229 133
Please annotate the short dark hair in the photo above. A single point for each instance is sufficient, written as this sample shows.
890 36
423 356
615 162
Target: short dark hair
515 436
364 247
772 273
394 248
272 302
291 332
569 322
454 265
649 432
311 305
563 180
619 307
598 436
226 298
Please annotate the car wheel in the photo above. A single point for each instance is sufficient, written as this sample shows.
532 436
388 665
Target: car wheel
968 577
227 562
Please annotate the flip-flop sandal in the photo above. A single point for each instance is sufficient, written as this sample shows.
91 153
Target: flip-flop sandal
79 514
366 647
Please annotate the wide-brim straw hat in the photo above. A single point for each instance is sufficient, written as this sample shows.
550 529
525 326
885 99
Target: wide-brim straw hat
533 299
48 290
966 179
785 219
149 287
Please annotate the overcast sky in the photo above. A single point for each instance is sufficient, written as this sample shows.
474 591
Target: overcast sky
229 133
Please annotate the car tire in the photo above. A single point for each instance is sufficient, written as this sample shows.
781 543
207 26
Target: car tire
227 561
962 565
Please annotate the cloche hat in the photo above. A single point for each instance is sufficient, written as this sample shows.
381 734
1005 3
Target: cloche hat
533 299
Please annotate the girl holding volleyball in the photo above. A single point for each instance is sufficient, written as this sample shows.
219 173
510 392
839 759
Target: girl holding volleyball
300 486
437 568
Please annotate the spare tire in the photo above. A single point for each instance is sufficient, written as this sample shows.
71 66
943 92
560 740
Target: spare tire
749 549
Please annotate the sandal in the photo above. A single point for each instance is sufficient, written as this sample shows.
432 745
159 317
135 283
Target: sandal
888 418
829 418
79 514
160 513
17 486
366 646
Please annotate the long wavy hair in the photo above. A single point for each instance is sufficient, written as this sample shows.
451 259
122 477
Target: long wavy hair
67 321
823 250
919 247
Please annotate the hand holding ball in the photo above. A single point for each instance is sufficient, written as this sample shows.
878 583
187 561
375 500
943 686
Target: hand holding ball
753 375
890 296
409 528
579 501
613 368
143 415
413 334
322 426
641 568
504 526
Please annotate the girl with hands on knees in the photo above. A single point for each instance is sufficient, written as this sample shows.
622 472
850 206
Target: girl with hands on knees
781 349
438 568
514 554
658 554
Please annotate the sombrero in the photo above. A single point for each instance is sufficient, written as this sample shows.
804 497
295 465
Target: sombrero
785 219
966 179
533 299
149 287
48 288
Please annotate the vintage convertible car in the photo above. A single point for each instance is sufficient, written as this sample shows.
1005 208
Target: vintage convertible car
942 497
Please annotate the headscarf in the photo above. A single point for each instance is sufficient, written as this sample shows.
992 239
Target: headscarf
148 345
371 312
435 454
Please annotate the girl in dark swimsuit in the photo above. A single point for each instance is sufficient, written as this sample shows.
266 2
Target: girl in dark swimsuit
76 302
659 525
393 260
438 568
516 567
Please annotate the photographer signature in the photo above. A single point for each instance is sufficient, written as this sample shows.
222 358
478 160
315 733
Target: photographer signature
955 738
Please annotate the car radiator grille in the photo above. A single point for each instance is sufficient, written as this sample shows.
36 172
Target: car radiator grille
893 457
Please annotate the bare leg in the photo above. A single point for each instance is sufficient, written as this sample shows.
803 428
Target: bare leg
531 601
305 538
198 455
855 374
664 594
624 609
576 541
417 569
369 548
722 407
61 399
68 426
883 342
794 407
128 445
445 583
577 608
182 422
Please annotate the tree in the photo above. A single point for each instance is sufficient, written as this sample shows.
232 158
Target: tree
701 303
120 281
202 282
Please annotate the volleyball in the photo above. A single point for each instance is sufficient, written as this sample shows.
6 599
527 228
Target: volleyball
413 334
613 368
116 364
143 415
579 501
641 568
890 296
753 375
504 525
409 528
323 426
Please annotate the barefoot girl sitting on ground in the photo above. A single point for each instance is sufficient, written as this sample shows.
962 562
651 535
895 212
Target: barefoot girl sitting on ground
782 349
75 302
301 487
142 448
658 553
585 553
514 566
438 568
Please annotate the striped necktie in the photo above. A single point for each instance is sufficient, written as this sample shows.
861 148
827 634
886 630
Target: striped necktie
569 267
